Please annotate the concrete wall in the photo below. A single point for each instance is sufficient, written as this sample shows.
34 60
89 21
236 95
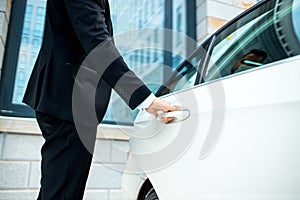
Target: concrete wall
5 7
20 168
20 162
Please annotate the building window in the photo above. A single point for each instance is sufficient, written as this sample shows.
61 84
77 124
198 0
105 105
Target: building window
40 11
28 12
38 29
179 25
36 42
146 11
26 29
25 40
23 43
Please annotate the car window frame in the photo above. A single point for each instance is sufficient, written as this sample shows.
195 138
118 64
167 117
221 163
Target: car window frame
247 12
209 43
204 63
232 22
185 62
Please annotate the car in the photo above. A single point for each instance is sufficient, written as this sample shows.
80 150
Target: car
235 133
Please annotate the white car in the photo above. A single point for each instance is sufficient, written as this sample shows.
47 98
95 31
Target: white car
236 134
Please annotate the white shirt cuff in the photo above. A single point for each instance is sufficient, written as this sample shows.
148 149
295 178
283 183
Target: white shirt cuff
147 102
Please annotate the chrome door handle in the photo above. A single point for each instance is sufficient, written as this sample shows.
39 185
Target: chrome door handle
179 115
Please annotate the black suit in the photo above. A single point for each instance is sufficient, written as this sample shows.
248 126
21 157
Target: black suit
73 28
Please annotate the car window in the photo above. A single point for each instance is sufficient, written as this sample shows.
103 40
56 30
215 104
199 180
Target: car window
185 75
265 35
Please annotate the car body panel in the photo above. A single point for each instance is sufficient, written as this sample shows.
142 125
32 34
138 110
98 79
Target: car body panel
254 155
131 185
239 134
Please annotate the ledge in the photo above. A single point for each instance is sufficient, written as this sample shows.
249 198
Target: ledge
29 126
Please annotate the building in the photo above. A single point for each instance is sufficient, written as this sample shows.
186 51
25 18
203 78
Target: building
31 41
21 26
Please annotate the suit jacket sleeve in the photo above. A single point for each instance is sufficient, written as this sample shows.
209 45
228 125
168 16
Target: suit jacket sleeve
88 20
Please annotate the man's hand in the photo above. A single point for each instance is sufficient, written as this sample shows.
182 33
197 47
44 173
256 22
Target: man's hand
159 105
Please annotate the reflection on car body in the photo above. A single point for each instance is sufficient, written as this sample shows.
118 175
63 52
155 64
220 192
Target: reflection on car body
255 155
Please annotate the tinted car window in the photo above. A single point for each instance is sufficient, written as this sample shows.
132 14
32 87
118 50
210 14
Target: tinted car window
265 35
185 75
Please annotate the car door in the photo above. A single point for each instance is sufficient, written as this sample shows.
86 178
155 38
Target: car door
236 134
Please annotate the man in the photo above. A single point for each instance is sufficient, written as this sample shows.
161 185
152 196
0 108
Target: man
253 58
75 29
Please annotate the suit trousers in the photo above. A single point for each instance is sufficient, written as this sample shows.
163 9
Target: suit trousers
65 161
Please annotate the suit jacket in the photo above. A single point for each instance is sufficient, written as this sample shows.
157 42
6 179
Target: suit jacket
73 28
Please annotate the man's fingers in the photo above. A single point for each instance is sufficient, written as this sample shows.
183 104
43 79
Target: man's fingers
159 113
167 119
170 108
159 105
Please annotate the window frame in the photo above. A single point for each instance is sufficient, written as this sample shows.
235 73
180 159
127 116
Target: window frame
10 63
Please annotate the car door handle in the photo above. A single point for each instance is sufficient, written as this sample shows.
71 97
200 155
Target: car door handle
179 115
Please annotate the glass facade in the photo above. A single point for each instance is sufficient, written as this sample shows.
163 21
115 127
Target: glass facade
145 20
148 63
31 41
179 26
134 18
